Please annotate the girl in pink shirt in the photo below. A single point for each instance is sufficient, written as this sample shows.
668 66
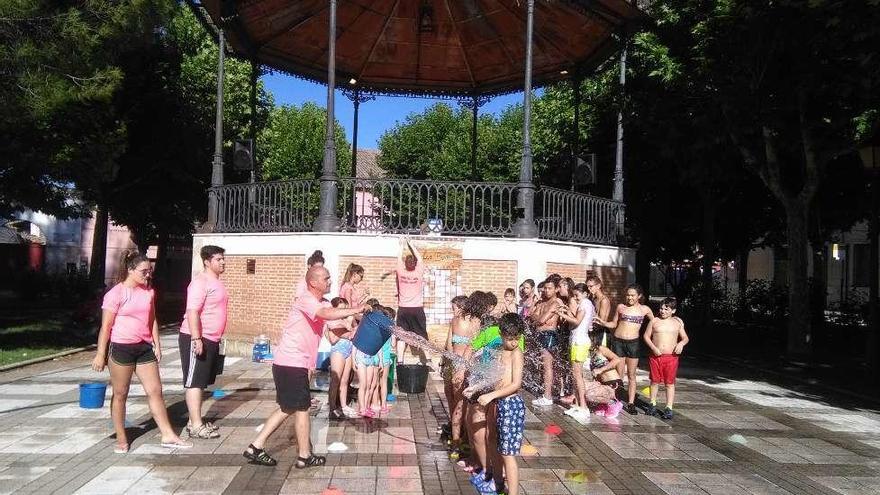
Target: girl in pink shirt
129 337
353 290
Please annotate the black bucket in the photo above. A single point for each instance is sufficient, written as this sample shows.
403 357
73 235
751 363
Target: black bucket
412 378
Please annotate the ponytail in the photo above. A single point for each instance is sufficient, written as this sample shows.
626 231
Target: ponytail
128 260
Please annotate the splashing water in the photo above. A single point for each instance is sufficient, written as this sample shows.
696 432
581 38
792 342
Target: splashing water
482 373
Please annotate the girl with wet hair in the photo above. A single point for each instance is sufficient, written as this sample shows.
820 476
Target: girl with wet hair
129 342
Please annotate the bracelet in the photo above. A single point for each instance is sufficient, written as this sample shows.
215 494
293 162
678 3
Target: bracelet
197 338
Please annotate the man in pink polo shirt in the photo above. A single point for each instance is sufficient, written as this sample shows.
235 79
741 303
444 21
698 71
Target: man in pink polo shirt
295 354
204 323
410 300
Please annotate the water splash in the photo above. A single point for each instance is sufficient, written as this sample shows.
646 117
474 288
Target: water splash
482 373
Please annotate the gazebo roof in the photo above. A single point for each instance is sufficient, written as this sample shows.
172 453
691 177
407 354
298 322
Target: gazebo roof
424 47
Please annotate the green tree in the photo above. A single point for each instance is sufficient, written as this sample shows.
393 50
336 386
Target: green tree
292 144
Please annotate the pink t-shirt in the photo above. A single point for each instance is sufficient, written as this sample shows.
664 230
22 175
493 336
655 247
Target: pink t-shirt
355 295
410 285
133 307
301 333
300 288
208 296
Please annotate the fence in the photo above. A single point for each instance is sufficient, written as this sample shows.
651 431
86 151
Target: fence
402 206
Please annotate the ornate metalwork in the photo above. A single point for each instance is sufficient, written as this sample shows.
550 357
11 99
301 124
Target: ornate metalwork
399 206
474 101
357 96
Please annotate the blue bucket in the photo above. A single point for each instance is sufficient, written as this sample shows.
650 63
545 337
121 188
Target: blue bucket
91 395
372 333
323 361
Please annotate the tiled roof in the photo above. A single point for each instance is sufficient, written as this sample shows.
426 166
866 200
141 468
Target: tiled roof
368 164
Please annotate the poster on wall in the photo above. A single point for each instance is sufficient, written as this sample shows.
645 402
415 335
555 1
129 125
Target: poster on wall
442 279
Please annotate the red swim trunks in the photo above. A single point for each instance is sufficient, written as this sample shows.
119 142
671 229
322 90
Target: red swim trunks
664 368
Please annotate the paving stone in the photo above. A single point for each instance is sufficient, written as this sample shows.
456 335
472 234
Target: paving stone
731 436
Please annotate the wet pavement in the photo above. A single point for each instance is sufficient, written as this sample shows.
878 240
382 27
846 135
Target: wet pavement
735 432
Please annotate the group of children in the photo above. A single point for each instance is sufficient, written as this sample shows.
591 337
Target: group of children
568 324
567 320
372 370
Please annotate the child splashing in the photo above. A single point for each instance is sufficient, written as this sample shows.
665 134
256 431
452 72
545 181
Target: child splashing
505 433
458 340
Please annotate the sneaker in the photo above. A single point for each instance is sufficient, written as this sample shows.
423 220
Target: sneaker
667 414
651 410
613 409
350 412
542 402
631 408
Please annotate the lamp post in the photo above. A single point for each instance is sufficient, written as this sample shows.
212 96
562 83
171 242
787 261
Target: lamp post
870 154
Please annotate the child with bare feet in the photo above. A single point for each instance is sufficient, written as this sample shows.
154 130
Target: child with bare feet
545 319
666 338
464 325
510 409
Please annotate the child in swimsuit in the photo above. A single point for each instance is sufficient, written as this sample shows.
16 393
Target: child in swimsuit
627 324
507 429
339 333
666 338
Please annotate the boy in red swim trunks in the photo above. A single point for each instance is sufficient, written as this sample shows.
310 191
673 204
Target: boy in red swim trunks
666 338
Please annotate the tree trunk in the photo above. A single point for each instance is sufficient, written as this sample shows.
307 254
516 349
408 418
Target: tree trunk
706 279
97 264
799 320
742 283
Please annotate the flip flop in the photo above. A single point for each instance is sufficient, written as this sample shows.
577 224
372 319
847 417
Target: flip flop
120 449
178 444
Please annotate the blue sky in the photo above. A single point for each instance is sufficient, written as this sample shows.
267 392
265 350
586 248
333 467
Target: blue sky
375 116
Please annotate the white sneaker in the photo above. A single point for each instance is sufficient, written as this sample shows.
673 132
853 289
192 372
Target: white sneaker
542 402
350 412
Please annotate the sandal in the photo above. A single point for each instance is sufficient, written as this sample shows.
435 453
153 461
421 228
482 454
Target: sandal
204 432
258 456
121 449
211 426
336 414
311 461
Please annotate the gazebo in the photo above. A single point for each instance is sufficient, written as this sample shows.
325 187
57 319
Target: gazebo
469 50
465 49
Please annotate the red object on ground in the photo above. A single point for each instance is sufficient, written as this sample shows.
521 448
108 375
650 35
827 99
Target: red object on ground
332 491
553 429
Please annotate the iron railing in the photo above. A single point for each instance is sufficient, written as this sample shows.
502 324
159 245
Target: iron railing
572 216
279 206
403 206
421 206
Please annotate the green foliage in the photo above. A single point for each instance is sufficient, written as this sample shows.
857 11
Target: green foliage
292 144
115 101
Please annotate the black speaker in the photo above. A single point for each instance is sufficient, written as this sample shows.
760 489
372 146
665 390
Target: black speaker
584 170
243 154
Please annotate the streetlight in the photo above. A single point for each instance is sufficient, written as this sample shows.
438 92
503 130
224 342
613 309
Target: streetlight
870 155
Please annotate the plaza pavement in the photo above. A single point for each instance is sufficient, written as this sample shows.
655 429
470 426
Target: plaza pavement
735 432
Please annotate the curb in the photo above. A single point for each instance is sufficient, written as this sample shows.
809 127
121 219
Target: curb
803 381
50 357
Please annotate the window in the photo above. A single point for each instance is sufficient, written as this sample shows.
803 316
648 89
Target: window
861 255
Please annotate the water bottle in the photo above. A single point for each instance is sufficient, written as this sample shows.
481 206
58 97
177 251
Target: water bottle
261 348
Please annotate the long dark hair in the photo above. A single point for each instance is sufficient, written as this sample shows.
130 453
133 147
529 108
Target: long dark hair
128 260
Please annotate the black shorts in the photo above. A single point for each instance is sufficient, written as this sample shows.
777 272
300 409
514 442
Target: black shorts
548 339
625 348
198 371
413 320
292 388
132 354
